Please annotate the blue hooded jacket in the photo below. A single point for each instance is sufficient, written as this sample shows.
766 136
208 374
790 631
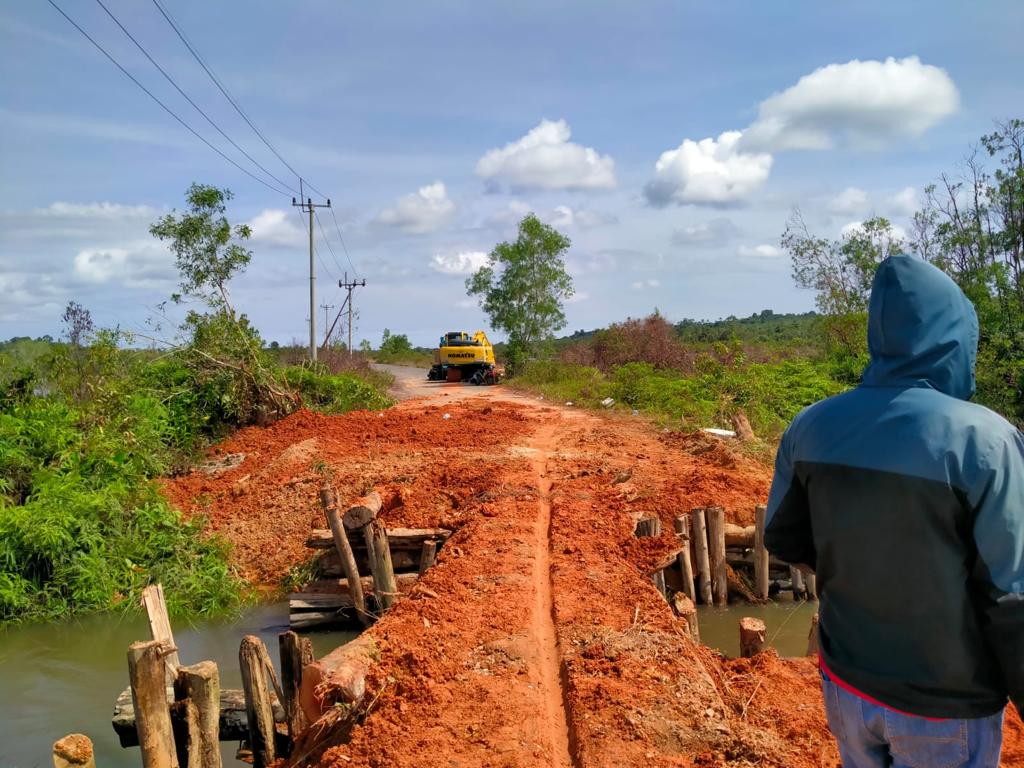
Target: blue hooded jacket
908 502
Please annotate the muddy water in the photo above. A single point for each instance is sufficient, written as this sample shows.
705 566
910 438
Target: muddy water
57 679
787 624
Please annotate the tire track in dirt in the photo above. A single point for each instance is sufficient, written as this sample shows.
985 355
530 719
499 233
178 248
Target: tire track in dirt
543 608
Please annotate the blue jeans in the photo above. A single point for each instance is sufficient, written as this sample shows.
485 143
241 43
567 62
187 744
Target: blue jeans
871 736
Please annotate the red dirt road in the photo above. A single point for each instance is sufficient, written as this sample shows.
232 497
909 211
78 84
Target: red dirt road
538 638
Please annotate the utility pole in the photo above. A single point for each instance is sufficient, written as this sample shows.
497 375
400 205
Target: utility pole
309 206
327 317
350 286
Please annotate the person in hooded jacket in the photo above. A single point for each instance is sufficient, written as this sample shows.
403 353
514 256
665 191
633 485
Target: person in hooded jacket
908 503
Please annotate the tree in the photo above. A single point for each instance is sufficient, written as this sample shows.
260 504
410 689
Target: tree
393 344
224 351
840 273
523 286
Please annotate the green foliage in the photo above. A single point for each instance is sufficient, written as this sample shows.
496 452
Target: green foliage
523 287
394 344
334 393
81 526
771 394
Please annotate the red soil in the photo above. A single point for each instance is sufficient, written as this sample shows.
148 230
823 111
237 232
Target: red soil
537 638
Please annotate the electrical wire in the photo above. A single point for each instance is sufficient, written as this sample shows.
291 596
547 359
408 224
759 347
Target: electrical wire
190 101
167 109
342 239
327 240
223 89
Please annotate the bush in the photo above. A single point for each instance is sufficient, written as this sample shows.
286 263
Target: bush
334 393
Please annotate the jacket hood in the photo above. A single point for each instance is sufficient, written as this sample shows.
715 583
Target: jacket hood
922 329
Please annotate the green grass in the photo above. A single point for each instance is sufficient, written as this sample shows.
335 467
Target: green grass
771 394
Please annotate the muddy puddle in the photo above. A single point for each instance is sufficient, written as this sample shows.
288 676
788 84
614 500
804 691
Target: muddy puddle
63 678
787 625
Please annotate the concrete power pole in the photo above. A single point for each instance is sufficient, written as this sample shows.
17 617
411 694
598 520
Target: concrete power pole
350 286
309 206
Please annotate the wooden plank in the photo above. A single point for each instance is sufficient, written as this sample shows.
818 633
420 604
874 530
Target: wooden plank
761 558
232 725
160 626
148 674
400 538
403 560
339 596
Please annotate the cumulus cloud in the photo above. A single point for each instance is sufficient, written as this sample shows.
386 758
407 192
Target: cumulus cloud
426 210
904 202
580 218
277 227
859 103
545 159
850 200
864 103
712 233
463 263
710 171
763 251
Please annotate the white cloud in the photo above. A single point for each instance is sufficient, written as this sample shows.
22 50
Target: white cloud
713 232
904 202
710 171
763 251
137 264
464 263
864 103
545 159
850 200
857 227
276 227
426 210
97 211
639 285
580 218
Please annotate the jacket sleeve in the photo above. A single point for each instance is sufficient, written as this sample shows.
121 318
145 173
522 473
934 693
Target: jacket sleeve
788 533
999 537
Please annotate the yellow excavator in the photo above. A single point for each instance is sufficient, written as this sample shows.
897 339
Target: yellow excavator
461 357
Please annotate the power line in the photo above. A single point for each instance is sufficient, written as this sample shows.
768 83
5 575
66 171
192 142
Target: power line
344 247
316 251
189 99
223 89
167 109
327 240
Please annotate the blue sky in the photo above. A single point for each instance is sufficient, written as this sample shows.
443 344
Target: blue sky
670 141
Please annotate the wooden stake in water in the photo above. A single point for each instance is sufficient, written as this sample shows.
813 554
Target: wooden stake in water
73 751
254 662
761 559
719 568
147 673
682 525
200 683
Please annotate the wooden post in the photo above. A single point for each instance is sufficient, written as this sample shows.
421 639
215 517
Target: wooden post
716 540
362 516
188 740
73 751
811 585
700 544
687 611
796 577
427 555
147 673
296 653
650 527
812 637
160 626
752 637
200 683
348 560
682 525
253 659
761 558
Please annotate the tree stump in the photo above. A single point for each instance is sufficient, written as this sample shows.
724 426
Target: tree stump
752 637
200 683
686 610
